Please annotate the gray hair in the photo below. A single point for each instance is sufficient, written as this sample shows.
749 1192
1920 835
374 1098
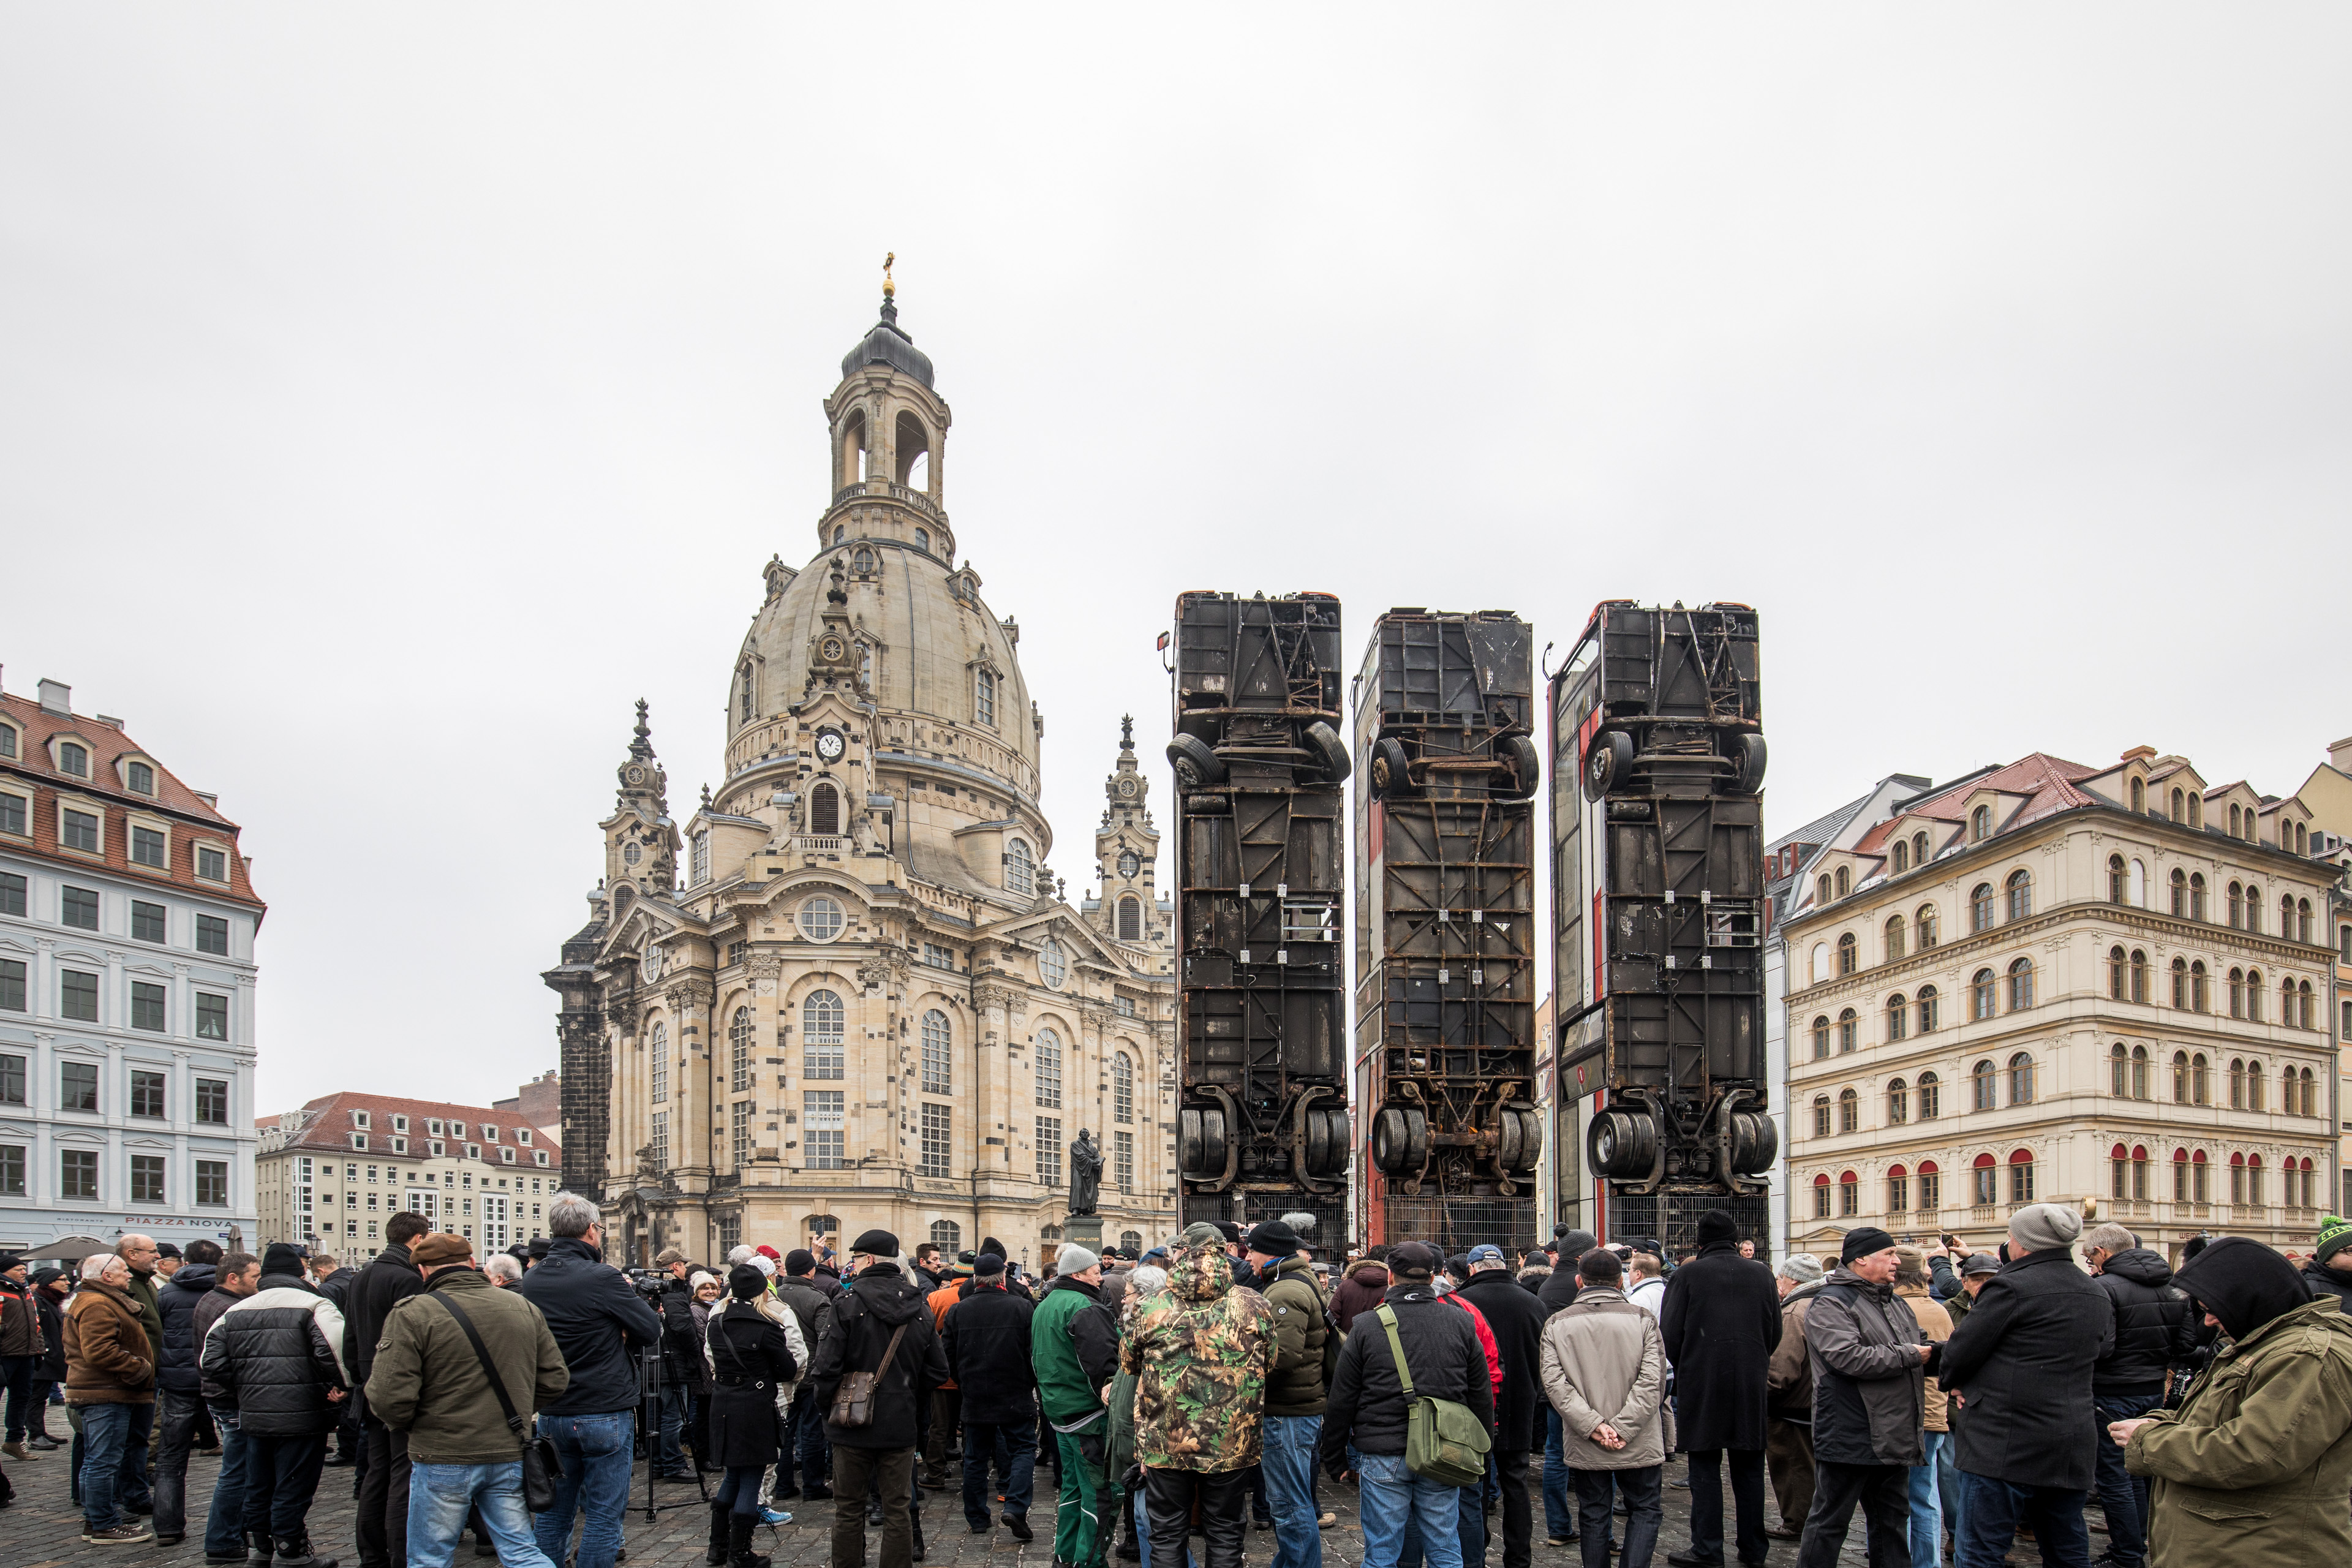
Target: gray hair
743 1254
1146 1279
96 1265
500 1266
570 1216
2110 1238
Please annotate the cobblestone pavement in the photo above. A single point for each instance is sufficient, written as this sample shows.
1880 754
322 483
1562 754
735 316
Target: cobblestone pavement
44 1528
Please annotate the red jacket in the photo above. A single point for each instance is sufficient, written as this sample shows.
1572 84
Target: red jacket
1486 1337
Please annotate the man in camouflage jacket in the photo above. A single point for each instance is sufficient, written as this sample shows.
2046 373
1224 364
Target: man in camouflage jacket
1200 1353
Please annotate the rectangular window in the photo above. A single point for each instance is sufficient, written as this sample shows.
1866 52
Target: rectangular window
1049 1151
937 1121
658 1087
211 864
147 922
1122 1148
147 846
77 1173
147 1000
146 1178
12 1081
141 777
78 998
212 1182
11 987
147 1094
659 1141
12 1170
77 1086
211 1016
939 957
12 814
212 934
823 1124
79 908
78 830
12 890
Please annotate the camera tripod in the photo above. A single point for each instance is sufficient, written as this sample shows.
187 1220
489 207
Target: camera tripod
650 1409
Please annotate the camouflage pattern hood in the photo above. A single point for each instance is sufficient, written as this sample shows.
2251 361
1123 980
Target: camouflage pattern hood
1201 1352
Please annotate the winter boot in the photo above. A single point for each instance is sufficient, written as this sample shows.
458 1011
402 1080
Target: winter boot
294 1552
914 1523
258 1548
739 1543
719 1514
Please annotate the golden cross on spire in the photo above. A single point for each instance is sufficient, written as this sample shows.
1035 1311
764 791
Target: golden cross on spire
889 290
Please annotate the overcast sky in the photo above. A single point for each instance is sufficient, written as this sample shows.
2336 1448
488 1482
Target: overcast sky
388 399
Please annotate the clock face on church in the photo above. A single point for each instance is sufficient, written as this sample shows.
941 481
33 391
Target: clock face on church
1126 787
830 648
829 745
1129 863
635 774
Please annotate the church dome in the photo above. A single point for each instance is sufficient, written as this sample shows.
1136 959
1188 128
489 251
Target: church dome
888 344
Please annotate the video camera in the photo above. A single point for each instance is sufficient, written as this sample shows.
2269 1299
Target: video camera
648 1283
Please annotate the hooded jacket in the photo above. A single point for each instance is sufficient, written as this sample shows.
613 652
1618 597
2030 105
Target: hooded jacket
1788 1376
426 1380
275 1355
1366 1407
1201 1352
2154 1326
175 1304
2255 1465
1870 1398
200 1319
20 1321
1359 1290
107 1361
2326 1283
1603 1360
51 1367
2021 1359
864 1317
1304 1344
1074 1344
597 1319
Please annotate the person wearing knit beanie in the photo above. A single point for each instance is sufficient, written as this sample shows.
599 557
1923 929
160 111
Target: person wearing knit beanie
2041 1227
2328 1270
1800 1268
1864 1241
2335 1238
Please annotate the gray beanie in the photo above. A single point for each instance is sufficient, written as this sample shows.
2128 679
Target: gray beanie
1801 1266
1073 1259
2042 1227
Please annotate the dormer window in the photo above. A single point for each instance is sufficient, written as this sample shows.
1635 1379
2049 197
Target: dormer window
473 1150
522 1136
490 1133
400 1124
211 864
360 1120
142 778
433 1125
359 1142
73 758
1980 825
8 741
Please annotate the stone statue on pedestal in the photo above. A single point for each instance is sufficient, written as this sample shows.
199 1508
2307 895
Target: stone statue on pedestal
1086 1172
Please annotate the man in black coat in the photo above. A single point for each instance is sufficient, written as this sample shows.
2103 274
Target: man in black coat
177 1398
2155 1329
1721 1323
810 1302
391 1278
681 1364
1559 1291
986 1339
2018 1369
880 1302
1517 1317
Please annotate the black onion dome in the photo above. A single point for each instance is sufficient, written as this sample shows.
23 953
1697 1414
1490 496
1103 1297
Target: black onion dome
888 344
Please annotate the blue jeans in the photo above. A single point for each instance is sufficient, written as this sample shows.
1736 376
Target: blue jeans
1390 1498
440 1496
1947 1482
1994 1508
805 1442
105 1434
594 1451
670 1456
1471 1533
1289 1464
1560 1520
2122 1495
1927 1504
224 1525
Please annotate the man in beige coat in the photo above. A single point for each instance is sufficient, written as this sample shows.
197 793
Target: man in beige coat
1604 1370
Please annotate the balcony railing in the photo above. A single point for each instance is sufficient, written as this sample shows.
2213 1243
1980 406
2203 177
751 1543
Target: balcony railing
920 500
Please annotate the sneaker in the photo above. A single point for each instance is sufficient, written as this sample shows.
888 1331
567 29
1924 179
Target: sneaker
123 1534
774 1516
1327 1520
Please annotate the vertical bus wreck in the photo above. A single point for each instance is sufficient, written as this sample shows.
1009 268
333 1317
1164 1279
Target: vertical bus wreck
1263 1128
1445 930
1658 910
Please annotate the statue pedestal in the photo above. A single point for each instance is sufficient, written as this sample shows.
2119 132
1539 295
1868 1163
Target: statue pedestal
1085 1229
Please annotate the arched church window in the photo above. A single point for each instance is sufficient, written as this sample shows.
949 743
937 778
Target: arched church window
1049 1070
938 1072
913 443
947 1235
1130 919
1122 1087
1020 869
841 531
738 1049
749 696
923 539
825 809
821 1016
983 696
658 1049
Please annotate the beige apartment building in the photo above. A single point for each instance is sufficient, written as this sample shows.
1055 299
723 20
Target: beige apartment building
2047 982
330 1175
2325 799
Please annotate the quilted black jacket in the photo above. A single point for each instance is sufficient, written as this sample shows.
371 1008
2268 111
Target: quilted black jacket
276 1353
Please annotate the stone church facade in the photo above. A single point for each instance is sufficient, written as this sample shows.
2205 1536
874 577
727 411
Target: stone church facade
848 993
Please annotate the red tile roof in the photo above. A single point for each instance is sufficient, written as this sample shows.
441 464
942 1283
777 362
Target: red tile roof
2047 781
326 1125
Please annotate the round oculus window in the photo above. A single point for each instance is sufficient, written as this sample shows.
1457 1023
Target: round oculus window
1129 863
632 855
821 919
1052 964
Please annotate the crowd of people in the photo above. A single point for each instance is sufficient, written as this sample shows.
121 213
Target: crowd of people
1957 1399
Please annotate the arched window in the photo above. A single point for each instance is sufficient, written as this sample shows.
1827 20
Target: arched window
1821 1116
825 809
2303 918
2139 1089
1049 1070
1983 1175
2020 1080
983 696
861 562
2021 984
1122 1087
2197 896
1980 825
1982 988
947 1235
2286 1002
2237 1174
1821 1195
2237 993
2201 1080
2178 813
1844 882
2253 1085
1820 970
745 696
1931 1097
923 539
1849 1111
1847 952
822 1021
2139 1173
1130 1242
1931 1188
1898 1189
1925 925
2119 1072
1130 919
1983 1086
2237 905
1894 938
939 1070
2180 1078
1821 1037
2180 1175
1821 892
1898 1017
2255 995
2120 1172
738 1049
2021 894
2138 976
2181 983
1927 999
2020 1178
2118 880
2118 974
2310 1094
2181 894
2199 1187
1020 869
657 1058
2139 795
2200 988
1848 1030
819 1226
2234 830
2139 884
2305 1015
1898 1102
1980 907
1898 859
2197 811
1849 1194
1918 849
2286 916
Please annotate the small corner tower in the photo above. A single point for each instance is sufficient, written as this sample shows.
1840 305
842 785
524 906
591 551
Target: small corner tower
1126 849
640 840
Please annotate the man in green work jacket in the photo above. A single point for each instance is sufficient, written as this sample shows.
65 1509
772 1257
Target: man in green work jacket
1074 1344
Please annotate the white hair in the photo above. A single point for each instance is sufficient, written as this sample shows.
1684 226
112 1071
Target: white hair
95 1266
743 1254
1146 1279
500 1266
569 1217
